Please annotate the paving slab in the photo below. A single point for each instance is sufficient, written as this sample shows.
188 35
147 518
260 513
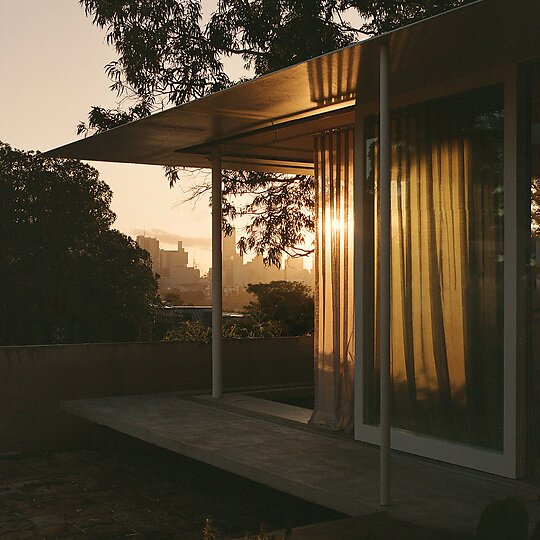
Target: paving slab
261 407
334 472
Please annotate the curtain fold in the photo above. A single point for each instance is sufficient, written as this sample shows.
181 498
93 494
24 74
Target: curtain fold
446 269
429 271
334 264
447 258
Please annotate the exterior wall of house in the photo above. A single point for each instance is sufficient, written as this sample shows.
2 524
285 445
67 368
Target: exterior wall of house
35 380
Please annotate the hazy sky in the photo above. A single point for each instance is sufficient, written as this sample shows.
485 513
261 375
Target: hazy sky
51 61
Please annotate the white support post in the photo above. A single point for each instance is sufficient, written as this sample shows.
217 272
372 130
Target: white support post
384 269
217 300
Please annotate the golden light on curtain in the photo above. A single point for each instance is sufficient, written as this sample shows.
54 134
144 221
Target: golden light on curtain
446 269
430 246
334 263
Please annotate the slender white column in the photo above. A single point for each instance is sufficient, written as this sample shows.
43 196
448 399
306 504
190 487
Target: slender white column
217 386
384 269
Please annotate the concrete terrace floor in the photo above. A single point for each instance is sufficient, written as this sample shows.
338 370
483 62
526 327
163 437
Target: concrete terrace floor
239 434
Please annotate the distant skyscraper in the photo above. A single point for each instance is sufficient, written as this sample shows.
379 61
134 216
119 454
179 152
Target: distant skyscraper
175 271
152 246
173 259
232 261
236 274
229 245
295 270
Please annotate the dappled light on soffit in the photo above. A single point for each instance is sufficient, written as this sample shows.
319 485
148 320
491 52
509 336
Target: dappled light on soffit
333 78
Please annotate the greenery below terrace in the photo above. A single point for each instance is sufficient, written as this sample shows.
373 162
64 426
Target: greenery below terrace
281 308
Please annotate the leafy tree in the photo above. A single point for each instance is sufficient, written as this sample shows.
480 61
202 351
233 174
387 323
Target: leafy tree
288 302
167 57
382 16
272 34
66 276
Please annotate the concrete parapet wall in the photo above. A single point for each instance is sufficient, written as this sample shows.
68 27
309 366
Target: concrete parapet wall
35 379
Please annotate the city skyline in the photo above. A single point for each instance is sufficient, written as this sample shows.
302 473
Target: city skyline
236 270
180 284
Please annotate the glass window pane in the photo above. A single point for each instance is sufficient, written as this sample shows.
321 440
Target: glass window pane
534 281
446 269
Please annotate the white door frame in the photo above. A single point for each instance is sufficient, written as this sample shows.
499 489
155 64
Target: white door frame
505 463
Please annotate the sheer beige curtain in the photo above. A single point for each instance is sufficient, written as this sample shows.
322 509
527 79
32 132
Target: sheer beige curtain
334 310
430 218
446 271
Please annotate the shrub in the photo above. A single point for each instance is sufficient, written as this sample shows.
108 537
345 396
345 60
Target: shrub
196 331
288 302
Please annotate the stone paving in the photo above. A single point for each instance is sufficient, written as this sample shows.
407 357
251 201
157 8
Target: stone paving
335 472
128 488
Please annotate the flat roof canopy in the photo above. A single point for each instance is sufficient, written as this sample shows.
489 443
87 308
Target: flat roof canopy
267 124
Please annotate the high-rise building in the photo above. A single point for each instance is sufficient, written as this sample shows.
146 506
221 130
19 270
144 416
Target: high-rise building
295 270
175 271
172 259
229 245
152 246
171 265
236 274
255 271
232 261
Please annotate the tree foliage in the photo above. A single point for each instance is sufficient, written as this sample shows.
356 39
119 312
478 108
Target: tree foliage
274 34
280 211
66 276
197 331
382 16
288 302
166 56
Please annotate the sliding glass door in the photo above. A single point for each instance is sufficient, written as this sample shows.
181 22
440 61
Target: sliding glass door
534 260
453 172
